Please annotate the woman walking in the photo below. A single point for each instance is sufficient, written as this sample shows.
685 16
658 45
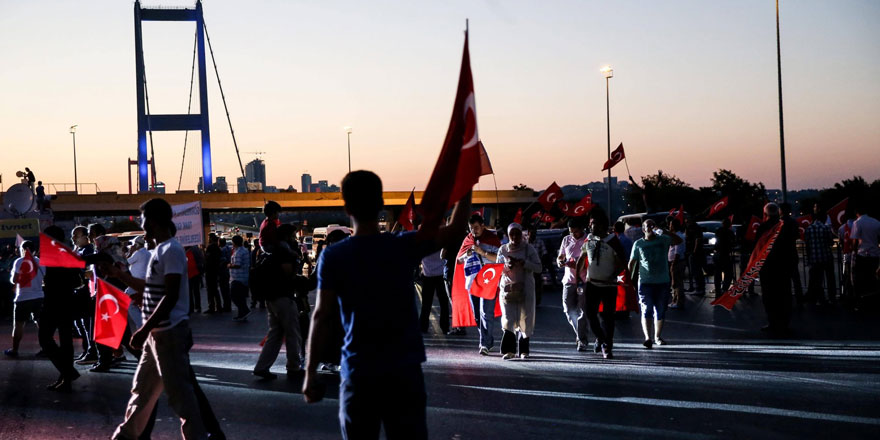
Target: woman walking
517 288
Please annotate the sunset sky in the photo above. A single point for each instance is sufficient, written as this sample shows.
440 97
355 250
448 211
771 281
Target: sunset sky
694 88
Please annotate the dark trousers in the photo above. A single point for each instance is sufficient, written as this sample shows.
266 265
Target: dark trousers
818 273
539 287
695 267
434 286
239 297
212 284
865 276
776 296
607 296
224 291
395 400
83 311
195 293
509 342
56 317
723 269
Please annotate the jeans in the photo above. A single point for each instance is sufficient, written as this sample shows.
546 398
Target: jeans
818 272
723 267
212 284
430 287
195 294
653 299
573 307
395 400
57 317
283 325
239 297
608 297
484 314
696 271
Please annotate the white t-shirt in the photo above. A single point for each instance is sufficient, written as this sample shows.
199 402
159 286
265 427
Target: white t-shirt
867 230
570 250
35 289
168 258
137 265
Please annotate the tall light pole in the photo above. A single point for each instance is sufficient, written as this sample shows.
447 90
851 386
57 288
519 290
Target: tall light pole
75 180
781 131
608 73
348 132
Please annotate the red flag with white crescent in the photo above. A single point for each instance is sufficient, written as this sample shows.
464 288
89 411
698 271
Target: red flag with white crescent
56 254
463 158
752 232
111 314
803 224
581 208
616 157
838 213
518 217
485 284
718 206
462 308
550 196
27 271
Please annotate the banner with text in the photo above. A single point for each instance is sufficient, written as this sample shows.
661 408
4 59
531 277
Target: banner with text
188 220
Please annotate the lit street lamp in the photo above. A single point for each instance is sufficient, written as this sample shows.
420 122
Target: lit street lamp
348 132
608 73
75 180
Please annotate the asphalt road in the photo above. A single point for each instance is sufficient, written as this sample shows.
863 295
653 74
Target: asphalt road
719 377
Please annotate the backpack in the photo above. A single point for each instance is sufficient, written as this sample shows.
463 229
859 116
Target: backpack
602 268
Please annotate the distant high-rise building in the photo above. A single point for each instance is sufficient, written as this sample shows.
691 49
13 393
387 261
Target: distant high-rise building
241 185
255 171
315 188
160 187
201 185
220 184
306 183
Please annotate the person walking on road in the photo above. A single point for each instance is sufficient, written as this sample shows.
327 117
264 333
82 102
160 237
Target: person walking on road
239 272
517 292
648 263
572 302
27 277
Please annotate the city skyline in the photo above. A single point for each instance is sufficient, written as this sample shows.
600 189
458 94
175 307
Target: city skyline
694 89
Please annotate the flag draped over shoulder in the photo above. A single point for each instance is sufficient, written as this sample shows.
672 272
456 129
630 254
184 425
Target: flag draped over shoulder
55 254
462 310
463 158
111 313
756 262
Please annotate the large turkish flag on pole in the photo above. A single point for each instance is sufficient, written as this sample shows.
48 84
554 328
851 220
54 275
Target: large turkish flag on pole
463 159
55 254
111 314
616 156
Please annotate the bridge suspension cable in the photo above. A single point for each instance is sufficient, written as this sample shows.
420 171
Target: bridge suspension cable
188 108
223 96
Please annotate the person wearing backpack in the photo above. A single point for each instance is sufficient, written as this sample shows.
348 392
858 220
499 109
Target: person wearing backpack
602 259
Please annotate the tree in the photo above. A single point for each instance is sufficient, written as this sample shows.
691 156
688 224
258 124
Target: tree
662 192
522 187
858 190
745 198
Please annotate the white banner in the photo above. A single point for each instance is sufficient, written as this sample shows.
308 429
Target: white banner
188 220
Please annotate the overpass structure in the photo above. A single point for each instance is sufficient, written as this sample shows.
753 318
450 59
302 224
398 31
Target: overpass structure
110 204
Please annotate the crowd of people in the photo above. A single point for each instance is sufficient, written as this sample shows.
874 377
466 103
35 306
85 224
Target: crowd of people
365 289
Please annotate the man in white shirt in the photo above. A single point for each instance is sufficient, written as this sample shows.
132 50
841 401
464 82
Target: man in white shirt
27 277
676 257
866 234
572 302
165 336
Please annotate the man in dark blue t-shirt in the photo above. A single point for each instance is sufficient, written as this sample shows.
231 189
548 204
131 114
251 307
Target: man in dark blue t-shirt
369 277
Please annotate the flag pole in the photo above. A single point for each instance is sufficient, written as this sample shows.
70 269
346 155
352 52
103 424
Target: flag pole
497 202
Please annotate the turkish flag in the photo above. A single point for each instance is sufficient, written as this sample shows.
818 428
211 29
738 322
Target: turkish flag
485 284
547 218
407 214
627 298
847 239
518 217
550 196
752 271
462 308
718 206
752 232
679 215
616 156
803 224
55 254
111 314
580 208
27 271
463 158
837 213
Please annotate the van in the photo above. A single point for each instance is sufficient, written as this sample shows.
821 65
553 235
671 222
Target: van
320 234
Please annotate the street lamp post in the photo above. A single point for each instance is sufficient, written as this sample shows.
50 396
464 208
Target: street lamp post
75 180
608 73
781 131
348 132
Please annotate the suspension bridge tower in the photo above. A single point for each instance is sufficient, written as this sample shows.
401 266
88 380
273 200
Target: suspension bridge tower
147 122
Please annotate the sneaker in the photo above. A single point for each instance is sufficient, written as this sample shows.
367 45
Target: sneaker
648 343
484 351
100 367
508 356
597 347
659 341
606 352
88 360
673 306
265 374
581 346
10 352
524 355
